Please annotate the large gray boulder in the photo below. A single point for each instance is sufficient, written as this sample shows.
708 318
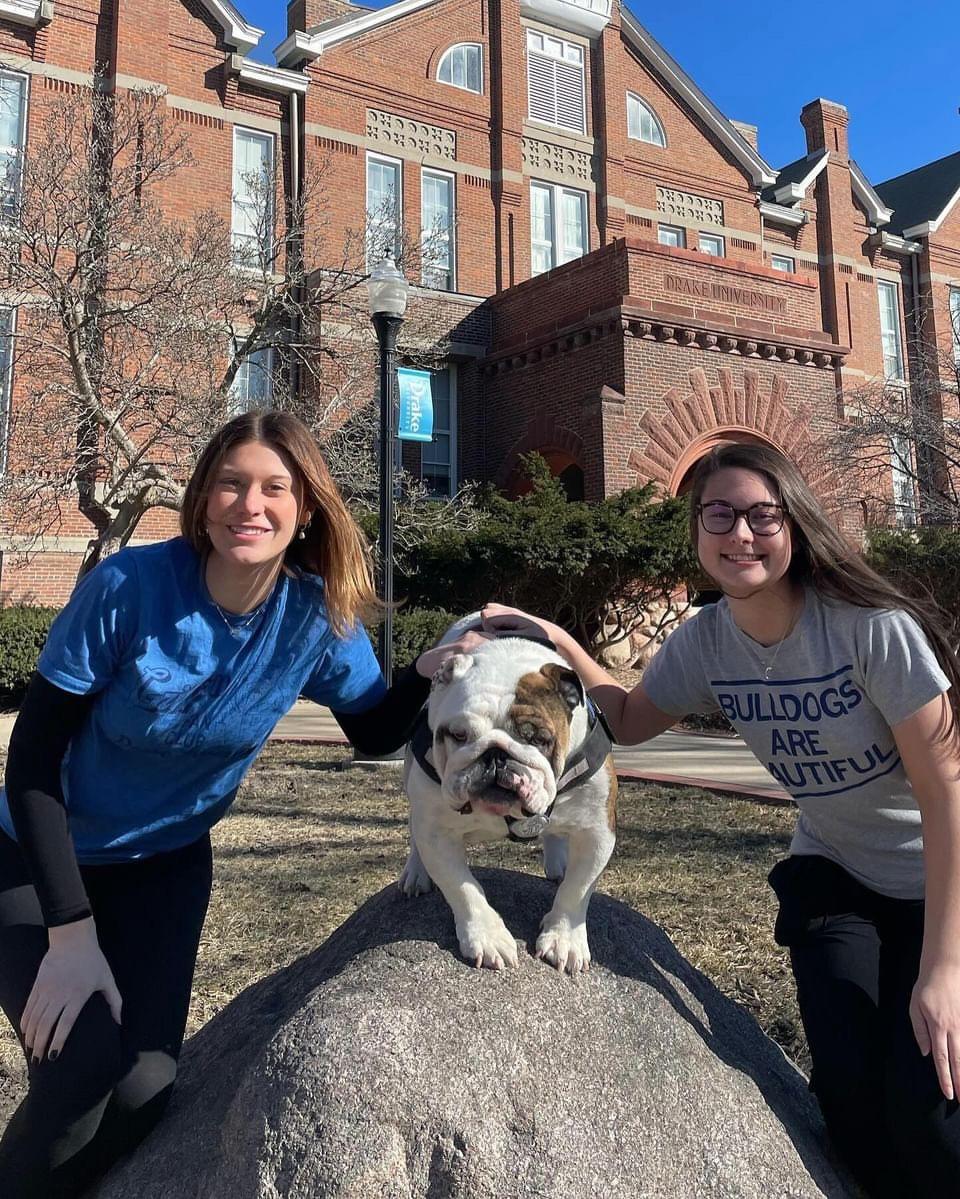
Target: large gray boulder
381 1066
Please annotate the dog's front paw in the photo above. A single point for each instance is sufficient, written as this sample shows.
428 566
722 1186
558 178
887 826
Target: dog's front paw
487 942
564 945
414 879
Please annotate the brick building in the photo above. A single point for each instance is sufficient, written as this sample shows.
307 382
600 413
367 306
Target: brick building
621 280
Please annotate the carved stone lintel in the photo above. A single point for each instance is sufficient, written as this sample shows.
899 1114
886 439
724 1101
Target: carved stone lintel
403 133
541 157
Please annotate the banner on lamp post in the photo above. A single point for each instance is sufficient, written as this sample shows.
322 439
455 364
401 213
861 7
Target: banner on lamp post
416 405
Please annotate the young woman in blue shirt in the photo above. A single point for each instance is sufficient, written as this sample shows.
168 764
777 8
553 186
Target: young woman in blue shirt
158 686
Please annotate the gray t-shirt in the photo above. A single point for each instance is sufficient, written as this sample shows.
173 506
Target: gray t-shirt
820 722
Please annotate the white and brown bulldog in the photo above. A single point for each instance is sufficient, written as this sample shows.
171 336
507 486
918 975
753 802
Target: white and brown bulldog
510 747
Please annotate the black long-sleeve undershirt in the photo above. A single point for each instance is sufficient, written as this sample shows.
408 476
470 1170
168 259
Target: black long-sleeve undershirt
50 717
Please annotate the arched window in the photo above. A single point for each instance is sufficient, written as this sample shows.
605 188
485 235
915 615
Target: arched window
462 66
642 122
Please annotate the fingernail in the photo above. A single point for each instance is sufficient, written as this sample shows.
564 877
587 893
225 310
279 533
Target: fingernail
53 1054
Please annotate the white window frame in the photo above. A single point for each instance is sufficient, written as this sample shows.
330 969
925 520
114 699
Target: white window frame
902 481
451 371
545 66
375 252
237 403
953 309
450 179
10 198
241 240
718 239
7 314
559 251
637 109
777 261
681 241
890 339
447 58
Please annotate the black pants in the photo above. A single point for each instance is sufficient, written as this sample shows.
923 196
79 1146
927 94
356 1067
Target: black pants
855 957
111 1082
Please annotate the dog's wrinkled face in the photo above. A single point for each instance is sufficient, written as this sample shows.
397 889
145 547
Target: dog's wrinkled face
503 719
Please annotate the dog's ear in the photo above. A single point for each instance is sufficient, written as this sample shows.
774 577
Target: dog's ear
567 683
453 668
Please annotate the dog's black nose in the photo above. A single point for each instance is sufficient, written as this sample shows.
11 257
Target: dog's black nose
495 757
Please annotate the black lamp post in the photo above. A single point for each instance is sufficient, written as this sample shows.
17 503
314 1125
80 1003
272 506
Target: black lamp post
388 302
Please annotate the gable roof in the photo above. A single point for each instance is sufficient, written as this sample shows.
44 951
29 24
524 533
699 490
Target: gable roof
236 31
794 179
878 212
922 199
311 44
680 82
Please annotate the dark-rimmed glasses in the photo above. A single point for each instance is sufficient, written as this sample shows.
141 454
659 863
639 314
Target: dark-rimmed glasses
717 516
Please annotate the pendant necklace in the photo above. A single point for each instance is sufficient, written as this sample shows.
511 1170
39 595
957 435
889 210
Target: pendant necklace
237 627
768 667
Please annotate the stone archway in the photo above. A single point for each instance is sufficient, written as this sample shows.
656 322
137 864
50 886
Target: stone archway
695 421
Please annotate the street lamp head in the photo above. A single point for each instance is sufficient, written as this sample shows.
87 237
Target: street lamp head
388 289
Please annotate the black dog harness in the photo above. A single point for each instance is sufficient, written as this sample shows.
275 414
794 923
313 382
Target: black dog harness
583 765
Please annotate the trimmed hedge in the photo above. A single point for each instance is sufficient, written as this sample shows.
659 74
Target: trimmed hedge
22 634
414 630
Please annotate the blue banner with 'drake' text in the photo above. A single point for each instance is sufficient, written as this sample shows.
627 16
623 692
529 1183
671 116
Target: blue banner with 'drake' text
416 405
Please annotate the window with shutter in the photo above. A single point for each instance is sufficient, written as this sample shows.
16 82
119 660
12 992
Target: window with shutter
555 82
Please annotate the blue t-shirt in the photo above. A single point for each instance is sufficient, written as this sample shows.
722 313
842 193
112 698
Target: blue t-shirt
186 695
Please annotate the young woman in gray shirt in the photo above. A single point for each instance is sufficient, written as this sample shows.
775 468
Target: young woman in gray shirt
848 692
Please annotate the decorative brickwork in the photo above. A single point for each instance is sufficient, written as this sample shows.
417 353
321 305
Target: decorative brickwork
402 133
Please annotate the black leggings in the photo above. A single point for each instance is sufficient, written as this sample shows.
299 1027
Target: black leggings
111 1082
855 957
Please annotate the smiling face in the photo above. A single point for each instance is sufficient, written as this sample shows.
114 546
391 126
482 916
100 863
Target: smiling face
743 562
253 506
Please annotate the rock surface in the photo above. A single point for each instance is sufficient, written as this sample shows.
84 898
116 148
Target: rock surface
381 1066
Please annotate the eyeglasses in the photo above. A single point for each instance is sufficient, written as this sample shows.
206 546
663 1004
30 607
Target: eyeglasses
718 516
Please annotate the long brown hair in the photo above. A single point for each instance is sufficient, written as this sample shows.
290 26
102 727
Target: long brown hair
822 557
333 546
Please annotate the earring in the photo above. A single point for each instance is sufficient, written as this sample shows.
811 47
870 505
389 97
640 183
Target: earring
302 534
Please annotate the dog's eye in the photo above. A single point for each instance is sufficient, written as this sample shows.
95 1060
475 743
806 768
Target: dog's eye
456 735
536 736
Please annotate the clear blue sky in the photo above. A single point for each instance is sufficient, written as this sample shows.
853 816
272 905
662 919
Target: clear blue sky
895 66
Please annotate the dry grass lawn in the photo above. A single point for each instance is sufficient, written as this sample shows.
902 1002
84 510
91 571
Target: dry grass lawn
306 843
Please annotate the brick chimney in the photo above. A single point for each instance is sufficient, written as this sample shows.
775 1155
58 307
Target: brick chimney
826 123
304 14
747 132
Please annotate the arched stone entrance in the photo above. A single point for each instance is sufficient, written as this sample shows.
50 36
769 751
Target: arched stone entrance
697 420
559 446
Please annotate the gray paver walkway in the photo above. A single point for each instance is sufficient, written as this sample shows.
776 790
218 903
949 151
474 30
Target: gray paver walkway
692 759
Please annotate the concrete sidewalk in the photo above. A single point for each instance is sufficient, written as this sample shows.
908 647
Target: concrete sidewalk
676 758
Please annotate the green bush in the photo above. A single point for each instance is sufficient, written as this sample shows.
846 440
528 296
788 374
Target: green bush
414 630
22 634
925 563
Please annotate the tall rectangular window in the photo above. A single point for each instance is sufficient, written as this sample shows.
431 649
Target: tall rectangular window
902 481
438 458
384 208
6 380
955 321
252 387
13 120
437 219
555 82
890 330
253 200
558 226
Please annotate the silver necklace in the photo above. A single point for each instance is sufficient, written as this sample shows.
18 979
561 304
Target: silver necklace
768 667
237 627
